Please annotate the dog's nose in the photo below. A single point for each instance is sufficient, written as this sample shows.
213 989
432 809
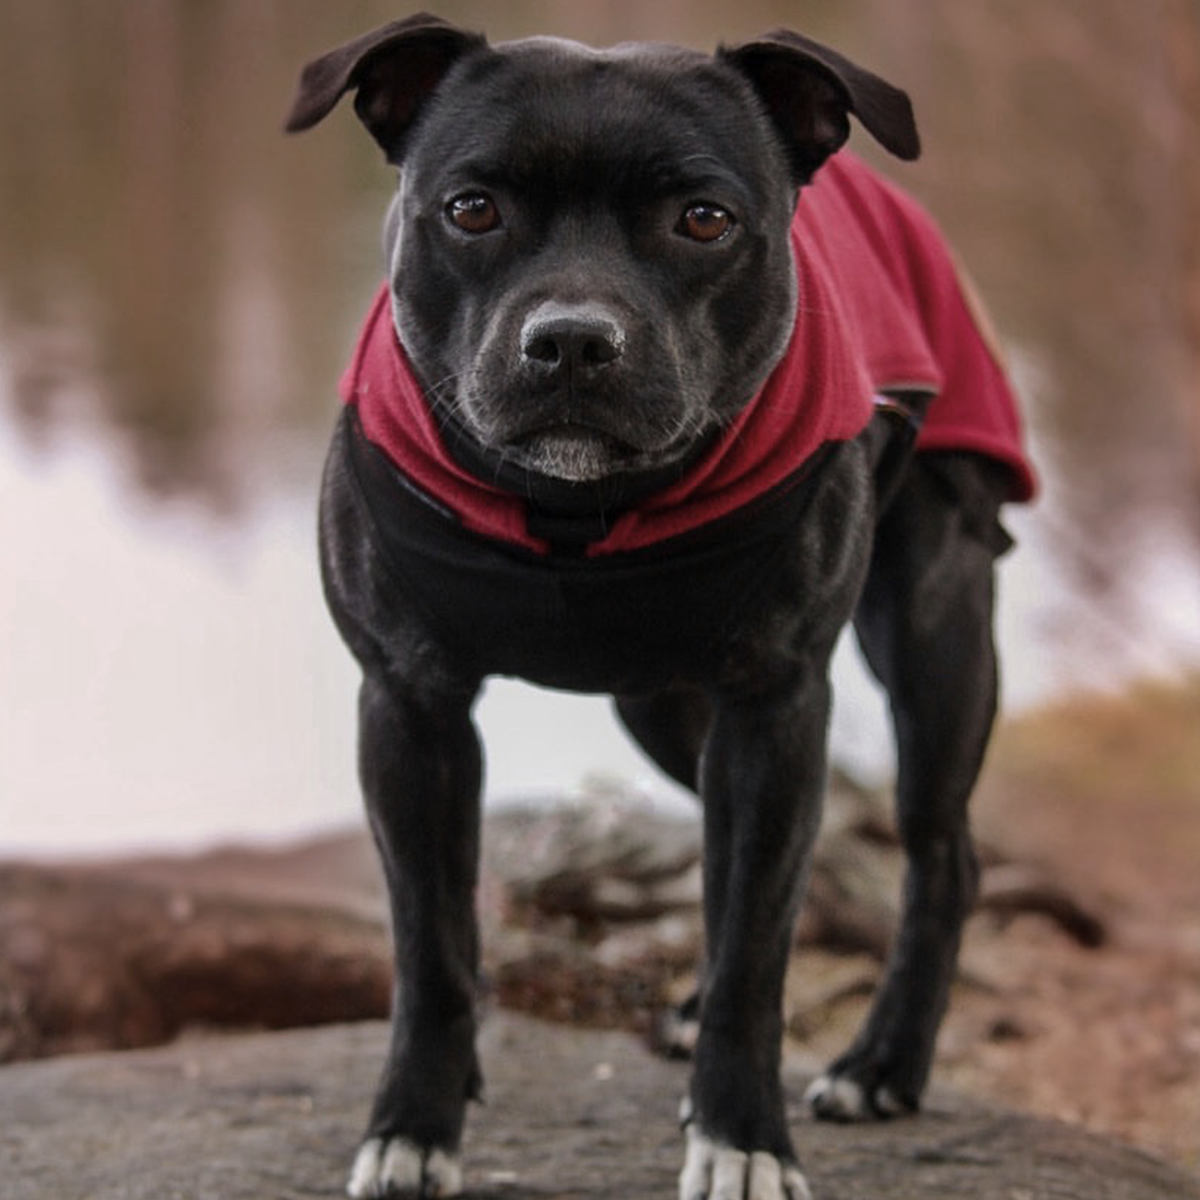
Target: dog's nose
571 339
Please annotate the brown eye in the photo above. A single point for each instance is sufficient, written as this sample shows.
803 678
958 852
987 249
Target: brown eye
705 222
474 212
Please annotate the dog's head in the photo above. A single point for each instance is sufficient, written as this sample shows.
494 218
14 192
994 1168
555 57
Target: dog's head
589 251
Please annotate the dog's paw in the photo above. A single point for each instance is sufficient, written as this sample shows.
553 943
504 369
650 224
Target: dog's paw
398 1167
712 1171
676 1032
840 1098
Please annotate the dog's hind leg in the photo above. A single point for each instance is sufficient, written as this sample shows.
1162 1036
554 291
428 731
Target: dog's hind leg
421 766
925 625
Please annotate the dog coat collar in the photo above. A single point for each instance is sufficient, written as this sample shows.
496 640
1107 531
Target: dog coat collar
881 310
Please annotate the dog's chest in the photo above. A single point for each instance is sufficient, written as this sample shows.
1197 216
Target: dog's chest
619 623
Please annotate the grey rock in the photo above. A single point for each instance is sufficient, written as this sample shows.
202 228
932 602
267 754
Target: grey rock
569 1115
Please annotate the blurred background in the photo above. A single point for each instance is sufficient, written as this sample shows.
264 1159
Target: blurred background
180 286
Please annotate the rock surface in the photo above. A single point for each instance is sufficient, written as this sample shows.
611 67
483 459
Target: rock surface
571 1115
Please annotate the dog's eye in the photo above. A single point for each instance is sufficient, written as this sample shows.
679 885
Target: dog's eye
474 212
705 222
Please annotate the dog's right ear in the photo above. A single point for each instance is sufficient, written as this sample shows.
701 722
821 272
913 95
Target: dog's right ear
392 72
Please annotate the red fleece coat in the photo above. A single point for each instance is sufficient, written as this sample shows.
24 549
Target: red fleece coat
882 308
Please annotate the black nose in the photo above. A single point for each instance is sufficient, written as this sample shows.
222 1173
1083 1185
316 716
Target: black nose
571 339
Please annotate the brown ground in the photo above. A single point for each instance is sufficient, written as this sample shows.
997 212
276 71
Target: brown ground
1106 795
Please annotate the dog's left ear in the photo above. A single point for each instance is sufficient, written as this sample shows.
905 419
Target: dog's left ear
810 90
392 72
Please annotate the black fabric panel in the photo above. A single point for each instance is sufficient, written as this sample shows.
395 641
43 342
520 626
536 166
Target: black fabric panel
615 623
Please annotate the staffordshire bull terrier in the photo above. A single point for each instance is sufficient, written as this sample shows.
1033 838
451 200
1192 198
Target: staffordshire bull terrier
662 390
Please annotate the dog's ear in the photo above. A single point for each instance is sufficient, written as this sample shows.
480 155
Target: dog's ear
392 71
810 90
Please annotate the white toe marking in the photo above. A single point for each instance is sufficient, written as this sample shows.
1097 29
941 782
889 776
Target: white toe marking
835 1097
766 1177
680 1034
888 1104
795 1186
400 1168
728 1174
712 1171
365 1172
443 1174
398 1164
693 1179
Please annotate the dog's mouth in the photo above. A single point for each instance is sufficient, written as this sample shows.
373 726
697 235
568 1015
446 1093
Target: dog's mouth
576 452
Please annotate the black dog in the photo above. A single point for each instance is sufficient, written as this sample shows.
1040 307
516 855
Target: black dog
611 427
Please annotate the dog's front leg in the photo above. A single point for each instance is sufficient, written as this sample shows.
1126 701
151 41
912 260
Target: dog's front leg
420 769
762 782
